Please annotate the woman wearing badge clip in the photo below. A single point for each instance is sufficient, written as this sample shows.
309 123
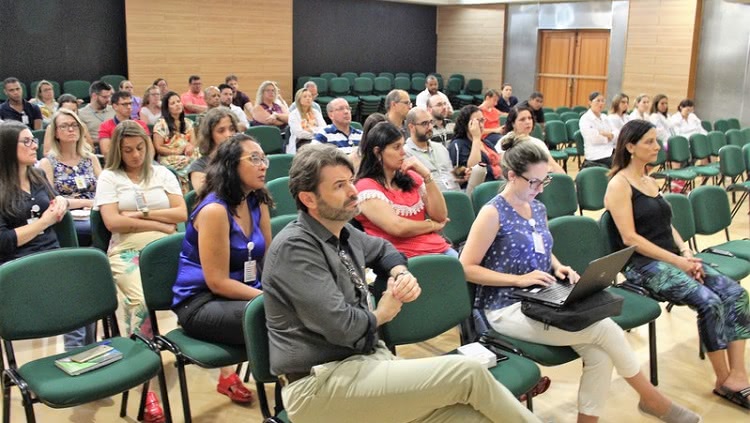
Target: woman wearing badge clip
225 241
510 247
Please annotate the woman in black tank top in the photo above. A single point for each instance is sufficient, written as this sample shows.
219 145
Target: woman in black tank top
664 263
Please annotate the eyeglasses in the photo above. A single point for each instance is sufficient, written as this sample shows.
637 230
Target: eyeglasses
68 126
440 104
481 120
127 104
256 160
343 109
28 142
426 124
407 102
536 183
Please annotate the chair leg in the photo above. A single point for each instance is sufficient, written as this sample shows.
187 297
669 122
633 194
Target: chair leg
278 401
530 402
28 406
6 398
164 395
142 402
247 373
653 365
669 307
184 391
124 404
263 400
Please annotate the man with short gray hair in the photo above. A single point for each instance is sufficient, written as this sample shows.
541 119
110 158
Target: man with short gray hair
323 328
339 133
397 105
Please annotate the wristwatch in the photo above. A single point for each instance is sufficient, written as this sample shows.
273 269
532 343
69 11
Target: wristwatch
144 212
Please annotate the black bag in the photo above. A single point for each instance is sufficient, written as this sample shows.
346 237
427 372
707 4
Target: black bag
578 315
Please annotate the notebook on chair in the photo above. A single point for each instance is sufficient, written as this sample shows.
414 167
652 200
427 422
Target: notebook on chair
598 276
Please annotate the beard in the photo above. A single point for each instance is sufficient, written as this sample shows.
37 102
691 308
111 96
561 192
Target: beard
338 214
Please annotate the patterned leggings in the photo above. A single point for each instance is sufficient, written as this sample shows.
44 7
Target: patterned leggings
721 303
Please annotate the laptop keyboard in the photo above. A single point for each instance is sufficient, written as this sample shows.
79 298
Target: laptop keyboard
555 292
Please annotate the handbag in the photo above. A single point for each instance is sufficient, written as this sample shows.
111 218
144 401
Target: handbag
578 315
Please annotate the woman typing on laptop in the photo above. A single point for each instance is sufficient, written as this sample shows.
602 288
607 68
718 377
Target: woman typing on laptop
509 248
664 264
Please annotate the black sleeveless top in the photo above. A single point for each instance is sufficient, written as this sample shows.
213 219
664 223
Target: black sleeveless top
652 217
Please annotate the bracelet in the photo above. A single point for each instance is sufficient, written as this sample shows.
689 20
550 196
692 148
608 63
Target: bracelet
428 179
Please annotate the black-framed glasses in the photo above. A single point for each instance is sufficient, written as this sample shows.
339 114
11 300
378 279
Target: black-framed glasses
406 102
426 124
28 142
536 183
256 160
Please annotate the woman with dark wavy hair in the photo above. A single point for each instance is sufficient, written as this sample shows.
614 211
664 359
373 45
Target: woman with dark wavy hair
397 193
225 241
468 149
174 139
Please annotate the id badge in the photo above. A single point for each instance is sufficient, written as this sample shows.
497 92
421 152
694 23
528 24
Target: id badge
538 242
250 274
25 119
370 302
140 200
81 183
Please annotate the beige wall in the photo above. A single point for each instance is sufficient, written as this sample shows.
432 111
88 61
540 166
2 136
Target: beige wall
471 42
661 49
172 40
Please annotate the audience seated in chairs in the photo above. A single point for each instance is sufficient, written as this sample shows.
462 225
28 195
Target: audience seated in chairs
226 238
139 203
397 193
660 118
507 100
216 127
520 123
642 107
174 138
150 111
45 99
598 136
492 130
664 264
71 167
514 219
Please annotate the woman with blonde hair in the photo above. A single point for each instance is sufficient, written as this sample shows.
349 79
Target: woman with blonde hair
304 121
151 108
45 99
266 110
642 107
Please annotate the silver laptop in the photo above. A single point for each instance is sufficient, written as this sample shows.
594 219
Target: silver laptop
599 275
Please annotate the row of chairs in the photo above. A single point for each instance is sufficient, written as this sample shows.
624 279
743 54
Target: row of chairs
77 87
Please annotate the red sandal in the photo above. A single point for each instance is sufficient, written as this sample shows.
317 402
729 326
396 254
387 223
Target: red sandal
233 388
152 412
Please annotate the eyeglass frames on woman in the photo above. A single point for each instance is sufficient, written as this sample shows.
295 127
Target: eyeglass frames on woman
256 160
28 142
536 183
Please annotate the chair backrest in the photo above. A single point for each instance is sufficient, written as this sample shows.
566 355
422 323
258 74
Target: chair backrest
78 88
731 162
563 109
256 340
559 196
591 185
485 192
461 216
717 140
537 132
746 156
580 109
443 303
460 77
734 123
721 125
706 124
113 80
566 116
402 83
551 116
403 75
577 241
682 215
269 138
279 189
571 126
279 222
700 148
301 81
362 86
369 75
278 166
388 75
555 133
382 85
351 76
474 86
159 263
736 137
710 209
578 139
54 292
65 230
190 200
746 133
679 149
417 84
328 75
454 86
339 87
100 235
39 135
322 84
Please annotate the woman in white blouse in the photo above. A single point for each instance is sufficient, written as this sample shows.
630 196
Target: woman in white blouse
642 105
618 111
304 121
599 137
685 122
660 118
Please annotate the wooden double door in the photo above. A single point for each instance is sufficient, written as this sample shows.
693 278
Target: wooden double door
572 64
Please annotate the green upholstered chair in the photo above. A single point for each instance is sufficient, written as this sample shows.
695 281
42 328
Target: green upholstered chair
566 116
717 140
256 341
100 235
551 116
113 80
485 192
65 230
443 304
712 214
559 196
279 222
578 241
722 125
700 149
556 137
278 166
461 216
158 265
736 137
683 221
78 88
279 189
734 123
269 138
191 198
591 185
706 124
83 291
